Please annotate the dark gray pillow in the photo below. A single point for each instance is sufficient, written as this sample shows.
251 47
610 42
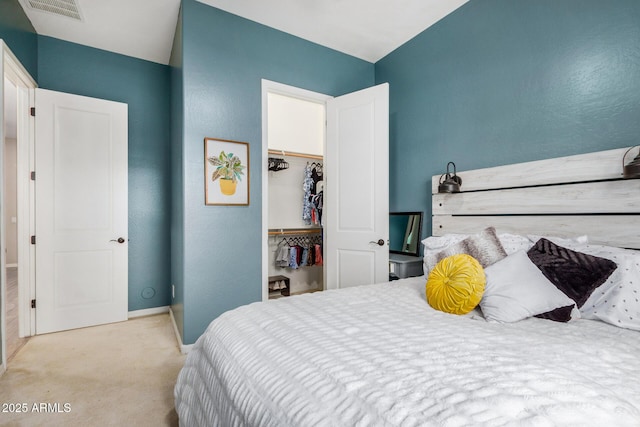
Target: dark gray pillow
575 273
561 314
484 246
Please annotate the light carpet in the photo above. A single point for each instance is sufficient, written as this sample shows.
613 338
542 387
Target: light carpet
111 375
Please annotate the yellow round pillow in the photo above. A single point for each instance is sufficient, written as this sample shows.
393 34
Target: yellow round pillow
456 284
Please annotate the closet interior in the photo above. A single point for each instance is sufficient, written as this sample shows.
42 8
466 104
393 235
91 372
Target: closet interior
295 189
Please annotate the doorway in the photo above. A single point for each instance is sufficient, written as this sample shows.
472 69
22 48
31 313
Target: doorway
293 134
10 202
114 298
16 220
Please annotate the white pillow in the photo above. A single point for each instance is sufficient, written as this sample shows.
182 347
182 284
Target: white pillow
516 289
433 245
617 300
442 242
513 243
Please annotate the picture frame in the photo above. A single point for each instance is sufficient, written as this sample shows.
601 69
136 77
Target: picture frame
226 172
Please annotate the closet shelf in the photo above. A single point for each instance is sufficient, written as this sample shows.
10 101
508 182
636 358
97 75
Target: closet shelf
294 154
293 231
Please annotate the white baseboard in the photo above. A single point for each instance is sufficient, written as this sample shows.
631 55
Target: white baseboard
148 312
184 349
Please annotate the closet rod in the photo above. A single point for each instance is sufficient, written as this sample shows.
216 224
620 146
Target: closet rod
290 231
294 154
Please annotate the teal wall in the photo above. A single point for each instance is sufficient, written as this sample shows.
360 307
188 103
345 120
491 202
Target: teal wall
504 81
145 87
177 181
18 33
224 59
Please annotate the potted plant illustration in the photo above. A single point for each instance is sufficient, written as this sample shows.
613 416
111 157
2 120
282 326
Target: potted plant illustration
229 170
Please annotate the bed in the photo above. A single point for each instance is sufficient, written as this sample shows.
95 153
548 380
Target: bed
380 355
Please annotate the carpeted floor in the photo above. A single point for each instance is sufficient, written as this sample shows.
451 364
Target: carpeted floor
14 342
112 375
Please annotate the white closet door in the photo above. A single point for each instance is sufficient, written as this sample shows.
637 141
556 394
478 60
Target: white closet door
357 188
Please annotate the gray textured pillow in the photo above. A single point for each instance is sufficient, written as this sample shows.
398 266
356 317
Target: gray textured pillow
484 246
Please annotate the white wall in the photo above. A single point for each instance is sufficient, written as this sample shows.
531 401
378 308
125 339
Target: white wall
10 200
10 167
286 195
295 125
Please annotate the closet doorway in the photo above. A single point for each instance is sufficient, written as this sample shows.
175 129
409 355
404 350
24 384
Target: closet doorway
294 127
355 163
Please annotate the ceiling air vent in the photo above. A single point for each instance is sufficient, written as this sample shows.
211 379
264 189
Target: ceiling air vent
67 8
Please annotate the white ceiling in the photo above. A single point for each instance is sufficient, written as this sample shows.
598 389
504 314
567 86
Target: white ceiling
366 29
139 28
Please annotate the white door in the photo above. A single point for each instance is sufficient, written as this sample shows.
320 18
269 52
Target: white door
81 211
357 188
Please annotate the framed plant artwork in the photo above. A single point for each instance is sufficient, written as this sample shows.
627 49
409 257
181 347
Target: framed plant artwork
226 171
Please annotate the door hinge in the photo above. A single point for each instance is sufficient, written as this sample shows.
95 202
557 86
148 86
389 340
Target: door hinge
33 175
32 111
33 303
33 240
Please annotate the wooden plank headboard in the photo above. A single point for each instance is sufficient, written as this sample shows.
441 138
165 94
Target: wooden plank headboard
565 196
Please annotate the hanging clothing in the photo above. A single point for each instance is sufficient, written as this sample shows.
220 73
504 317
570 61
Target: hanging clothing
305 257
317 202
318 254
293 257
307 183
311 251
282 255
298 255
316 177
313 186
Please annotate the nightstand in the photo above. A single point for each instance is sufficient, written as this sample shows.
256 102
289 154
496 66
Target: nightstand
404 266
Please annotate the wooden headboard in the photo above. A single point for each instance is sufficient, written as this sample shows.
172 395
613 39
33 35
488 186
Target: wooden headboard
565 196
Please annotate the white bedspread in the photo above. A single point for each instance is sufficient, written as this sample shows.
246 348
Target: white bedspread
380 356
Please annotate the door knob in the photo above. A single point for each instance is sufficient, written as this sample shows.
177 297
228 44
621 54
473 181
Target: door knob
120 240
380 242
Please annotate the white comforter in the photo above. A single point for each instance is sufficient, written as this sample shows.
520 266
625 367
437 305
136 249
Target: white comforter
380 356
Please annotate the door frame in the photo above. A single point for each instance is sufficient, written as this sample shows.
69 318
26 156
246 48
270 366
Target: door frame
269 86
14 71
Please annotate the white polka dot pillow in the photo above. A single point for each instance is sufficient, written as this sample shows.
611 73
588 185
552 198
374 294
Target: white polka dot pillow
617 300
